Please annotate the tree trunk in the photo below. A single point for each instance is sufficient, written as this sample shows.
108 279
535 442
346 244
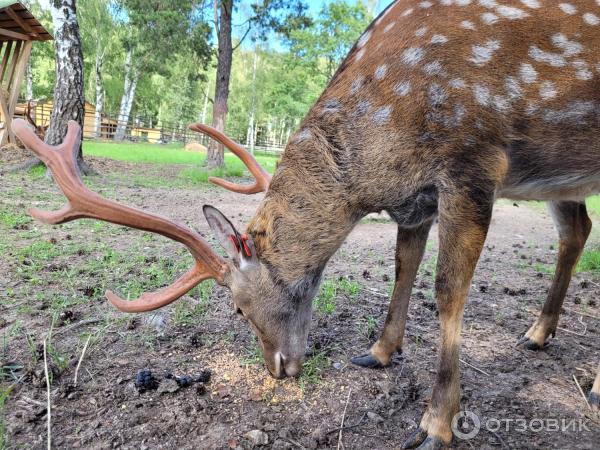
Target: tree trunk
251 124
68 89
99 97
215 157
131 79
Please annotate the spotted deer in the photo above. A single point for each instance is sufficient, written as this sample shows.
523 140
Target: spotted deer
439 109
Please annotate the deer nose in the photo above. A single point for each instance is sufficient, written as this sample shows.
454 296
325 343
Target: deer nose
285 367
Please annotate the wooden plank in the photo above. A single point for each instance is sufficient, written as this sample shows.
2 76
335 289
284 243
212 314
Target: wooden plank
14 35
13 64
24 25
15 90
5 61
6 131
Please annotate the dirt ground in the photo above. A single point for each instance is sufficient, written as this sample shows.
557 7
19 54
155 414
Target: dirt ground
55 291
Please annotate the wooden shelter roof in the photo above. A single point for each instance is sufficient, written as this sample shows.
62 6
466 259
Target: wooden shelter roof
18 24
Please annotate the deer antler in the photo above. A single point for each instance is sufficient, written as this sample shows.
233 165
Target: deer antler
262 177
84 203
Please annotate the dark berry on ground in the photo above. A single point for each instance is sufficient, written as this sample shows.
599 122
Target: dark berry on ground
145 381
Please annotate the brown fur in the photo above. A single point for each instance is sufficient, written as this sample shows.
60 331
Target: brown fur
370 149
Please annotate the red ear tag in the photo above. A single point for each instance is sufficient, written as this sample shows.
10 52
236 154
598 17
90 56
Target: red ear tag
234 241
246 248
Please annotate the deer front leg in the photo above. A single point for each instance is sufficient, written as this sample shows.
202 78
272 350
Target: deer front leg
463 228
574 226
594 397
410 246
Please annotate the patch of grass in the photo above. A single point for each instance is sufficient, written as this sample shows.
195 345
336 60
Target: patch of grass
197 175
593 204
187 313
4 393
13 220
37 172
325 302
544 268
349 287
254 354
312 369
368 327
166 154
589 261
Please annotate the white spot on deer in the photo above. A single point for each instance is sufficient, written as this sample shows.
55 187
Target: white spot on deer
382 115
402 89
380 72
489 18
583 71
437 95
360 54
548 90
447 2
528 73
488 3
332 106
421 31
510 12
434 68
302 135
576 112
591 19
457 83
357 84
468 25
408 12
531 109
364 39
389 26
501 103
539 55
567 8
533 4
462 2
598 65
569 48
425 5
363 107
439 39
482 54
413 56
482 94
513 88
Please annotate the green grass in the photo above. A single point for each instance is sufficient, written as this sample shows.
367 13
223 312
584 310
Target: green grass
4 393
325 302
593 204
312 369
589 261
167 154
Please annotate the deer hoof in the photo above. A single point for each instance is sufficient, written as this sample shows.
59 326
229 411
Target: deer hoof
530 344
417 438
367 360
594 400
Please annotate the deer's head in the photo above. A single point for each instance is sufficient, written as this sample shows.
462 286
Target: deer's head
278 312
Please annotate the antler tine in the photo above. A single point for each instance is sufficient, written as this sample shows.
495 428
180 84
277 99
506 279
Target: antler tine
84 203
262 177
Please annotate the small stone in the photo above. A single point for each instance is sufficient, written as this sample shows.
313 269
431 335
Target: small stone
374 417
257 437
337 365
168 386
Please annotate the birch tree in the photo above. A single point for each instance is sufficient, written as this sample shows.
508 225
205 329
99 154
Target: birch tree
68 89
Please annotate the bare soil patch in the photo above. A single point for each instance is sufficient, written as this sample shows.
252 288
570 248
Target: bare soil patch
62 272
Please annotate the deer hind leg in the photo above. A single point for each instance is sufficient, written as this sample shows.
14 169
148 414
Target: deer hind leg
410 246
573 225
594 397
463 228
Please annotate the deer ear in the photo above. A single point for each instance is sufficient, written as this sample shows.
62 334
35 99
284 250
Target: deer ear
236 247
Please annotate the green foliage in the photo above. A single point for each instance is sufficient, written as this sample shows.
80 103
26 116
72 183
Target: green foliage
4 393
321 47
593 205
325 302
589 261
312 369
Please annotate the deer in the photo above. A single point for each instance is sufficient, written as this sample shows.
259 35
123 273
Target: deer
40 130
439 109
